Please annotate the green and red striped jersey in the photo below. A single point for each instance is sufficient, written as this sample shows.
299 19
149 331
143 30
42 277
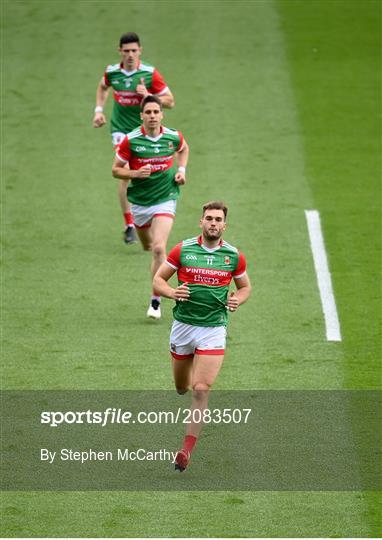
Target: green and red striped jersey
208 274
139 149
126 110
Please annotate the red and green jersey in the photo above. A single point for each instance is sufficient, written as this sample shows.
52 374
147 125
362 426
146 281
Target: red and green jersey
139 149
126 110
208 274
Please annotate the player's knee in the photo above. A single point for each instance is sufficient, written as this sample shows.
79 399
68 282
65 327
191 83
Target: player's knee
159 250
201 387
200 391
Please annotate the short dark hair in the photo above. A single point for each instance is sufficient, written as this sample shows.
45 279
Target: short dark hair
151 99
215 205
129 37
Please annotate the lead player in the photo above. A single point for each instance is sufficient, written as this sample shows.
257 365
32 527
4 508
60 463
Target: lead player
205 266
146 157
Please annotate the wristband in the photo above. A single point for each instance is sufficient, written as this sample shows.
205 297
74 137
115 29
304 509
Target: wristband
98 109
182 169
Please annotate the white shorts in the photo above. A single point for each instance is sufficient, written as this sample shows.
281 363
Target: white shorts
117 137
187 340
143 215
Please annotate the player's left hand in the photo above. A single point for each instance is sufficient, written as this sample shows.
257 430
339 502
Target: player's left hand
180 178
232 302
141 88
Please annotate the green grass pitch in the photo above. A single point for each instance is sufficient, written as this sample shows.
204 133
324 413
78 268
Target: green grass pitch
279 101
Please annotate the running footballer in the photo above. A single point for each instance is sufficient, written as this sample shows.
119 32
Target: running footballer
205 267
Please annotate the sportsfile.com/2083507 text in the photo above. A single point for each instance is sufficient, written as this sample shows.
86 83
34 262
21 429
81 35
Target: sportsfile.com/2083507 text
180 415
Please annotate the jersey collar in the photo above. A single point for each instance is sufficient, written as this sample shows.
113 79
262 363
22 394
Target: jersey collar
200 242
129 73
152 138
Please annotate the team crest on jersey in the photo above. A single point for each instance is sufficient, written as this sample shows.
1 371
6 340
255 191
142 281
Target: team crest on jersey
227 260
171 145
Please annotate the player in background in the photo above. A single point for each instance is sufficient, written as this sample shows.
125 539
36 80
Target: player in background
131 80
146 157
205 266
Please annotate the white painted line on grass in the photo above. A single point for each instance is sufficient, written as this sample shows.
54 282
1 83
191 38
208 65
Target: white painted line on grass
324 280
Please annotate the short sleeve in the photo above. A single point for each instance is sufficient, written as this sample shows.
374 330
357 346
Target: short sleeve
106 79
241 267
173 258
181 142
158 85
123 152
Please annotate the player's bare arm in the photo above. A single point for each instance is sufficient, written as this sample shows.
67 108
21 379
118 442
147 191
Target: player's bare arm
182 159
99 119
121 170
241 295
162 288
167 100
